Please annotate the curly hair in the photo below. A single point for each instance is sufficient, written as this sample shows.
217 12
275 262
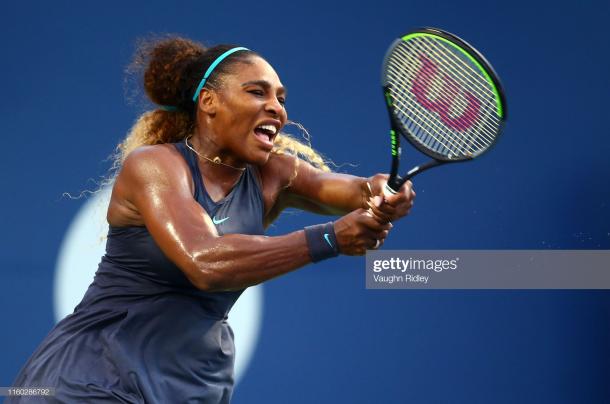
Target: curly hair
172 69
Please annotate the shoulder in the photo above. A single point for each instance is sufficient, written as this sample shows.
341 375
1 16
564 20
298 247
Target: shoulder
159 154
147 170
154 166
280 169
157 160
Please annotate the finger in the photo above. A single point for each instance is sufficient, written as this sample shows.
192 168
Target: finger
373 244
377 243
407 185
387 209
404 195
381 235
411 192
388 202
405 192
381 216
370 236
398 200
377 200
372 224
382 205
376 215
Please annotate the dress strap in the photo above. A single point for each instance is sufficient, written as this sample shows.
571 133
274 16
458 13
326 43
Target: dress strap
191 160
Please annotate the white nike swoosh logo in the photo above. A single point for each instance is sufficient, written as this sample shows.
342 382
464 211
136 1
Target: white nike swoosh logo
326 237
218 221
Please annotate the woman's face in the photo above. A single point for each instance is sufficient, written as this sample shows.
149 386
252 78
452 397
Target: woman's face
249 111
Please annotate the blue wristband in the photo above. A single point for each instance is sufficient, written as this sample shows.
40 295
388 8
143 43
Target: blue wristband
321 241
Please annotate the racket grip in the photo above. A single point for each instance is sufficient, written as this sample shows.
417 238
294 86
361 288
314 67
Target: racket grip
388 191
393 185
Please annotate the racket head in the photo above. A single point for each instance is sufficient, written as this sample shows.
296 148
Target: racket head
443 96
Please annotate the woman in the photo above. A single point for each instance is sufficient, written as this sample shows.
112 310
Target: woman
200 178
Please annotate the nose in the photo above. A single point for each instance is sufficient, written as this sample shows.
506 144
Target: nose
273 106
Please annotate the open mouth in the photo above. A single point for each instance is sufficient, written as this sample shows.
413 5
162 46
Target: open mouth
266 133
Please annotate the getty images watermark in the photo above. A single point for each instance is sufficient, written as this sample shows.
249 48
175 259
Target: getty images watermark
488 269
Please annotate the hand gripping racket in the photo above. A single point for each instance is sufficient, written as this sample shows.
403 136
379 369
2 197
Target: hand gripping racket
443 97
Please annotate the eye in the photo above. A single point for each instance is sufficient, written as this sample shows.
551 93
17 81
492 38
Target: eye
281 100
257 92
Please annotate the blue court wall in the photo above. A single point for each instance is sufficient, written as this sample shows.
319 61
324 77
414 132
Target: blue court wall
323 337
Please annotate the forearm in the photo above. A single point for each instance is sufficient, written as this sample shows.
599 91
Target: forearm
236 261
337 194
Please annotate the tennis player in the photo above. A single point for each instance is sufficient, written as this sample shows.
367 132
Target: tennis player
200 178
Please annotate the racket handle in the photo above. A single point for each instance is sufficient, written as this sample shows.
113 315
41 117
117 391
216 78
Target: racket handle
396 183
388 191
393 185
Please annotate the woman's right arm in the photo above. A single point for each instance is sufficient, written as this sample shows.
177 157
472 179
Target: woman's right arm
155 181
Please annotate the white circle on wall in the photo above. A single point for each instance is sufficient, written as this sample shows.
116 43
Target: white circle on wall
81 250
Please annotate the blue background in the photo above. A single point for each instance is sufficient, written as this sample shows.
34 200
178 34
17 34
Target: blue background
325 338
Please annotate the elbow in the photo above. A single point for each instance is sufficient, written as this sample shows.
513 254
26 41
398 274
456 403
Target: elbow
207 274
206 280
203 284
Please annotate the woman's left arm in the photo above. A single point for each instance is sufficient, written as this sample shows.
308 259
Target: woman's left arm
335 194
326 193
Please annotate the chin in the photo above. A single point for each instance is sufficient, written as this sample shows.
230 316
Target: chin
260 158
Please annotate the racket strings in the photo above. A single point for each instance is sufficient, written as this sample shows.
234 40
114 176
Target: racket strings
458 100
447 57
409 60
483 133
403 91
438 142
441 89
430 120
443 61
458 145
483 96
420 121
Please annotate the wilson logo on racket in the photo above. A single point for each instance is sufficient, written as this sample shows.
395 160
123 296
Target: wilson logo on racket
443 104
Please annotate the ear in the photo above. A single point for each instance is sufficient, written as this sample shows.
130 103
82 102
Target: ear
208 100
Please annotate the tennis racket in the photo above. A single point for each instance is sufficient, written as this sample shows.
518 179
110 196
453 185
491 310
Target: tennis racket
443 97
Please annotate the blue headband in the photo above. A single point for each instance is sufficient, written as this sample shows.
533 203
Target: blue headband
211 69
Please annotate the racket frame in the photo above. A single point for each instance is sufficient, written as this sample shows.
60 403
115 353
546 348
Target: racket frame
396 181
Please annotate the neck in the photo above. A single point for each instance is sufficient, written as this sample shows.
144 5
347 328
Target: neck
207 146
214 165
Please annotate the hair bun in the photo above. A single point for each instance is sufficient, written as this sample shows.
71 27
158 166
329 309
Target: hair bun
166 65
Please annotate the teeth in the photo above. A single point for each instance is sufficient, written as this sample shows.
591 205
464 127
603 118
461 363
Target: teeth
269 128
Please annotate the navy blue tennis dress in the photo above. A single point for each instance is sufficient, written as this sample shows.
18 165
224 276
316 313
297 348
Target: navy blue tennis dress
143 333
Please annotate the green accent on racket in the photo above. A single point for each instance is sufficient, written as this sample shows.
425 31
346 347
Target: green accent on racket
469 56
393 141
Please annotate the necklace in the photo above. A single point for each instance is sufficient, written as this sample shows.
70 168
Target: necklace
215 160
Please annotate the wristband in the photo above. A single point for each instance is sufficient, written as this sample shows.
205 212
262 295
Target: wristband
321 241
